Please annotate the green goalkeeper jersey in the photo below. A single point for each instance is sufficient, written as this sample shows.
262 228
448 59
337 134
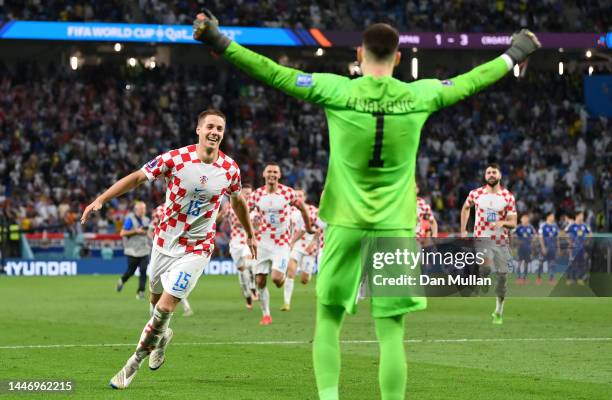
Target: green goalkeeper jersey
374 130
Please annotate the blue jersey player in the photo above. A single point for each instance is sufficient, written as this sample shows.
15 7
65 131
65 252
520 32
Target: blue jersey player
577 232
525 233
549 244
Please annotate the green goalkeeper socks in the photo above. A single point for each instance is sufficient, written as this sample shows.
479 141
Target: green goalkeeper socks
326 353
392 370
326 350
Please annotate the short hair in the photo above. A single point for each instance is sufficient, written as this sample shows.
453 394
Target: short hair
247 186
381 40
577 213
271 163
493 165
210 111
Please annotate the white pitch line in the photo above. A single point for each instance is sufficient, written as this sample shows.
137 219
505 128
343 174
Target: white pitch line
300 342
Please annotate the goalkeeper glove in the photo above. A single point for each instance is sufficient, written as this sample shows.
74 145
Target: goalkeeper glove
523 44
206 30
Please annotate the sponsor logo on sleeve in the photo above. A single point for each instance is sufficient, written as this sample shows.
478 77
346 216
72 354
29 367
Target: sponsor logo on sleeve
304 80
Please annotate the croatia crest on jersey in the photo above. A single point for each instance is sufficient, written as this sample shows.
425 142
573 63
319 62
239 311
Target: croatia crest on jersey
203 179
153 163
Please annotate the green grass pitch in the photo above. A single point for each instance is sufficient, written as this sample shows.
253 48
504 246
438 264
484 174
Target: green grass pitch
550 348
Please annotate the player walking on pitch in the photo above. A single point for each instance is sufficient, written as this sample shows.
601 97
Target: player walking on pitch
198 176
273 202
374 129
495 214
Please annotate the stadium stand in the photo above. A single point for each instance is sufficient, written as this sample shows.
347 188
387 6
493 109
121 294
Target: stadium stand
414 15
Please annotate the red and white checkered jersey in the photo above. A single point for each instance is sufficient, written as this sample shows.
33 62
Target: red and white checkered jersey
275 213
298 222
193 198
424 212
238 234
490 208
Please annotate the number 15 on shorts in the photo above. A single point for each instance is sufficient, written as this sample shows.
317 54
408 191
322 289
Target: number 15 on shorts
181 282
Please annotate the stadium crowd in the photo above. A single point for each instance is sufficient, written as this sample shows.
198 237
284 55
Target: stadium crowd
412 15
62 142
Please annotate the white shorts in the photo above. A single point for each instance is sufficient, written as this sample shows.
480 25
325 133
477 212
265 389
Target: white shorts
268 259
177 276
238 252
305 263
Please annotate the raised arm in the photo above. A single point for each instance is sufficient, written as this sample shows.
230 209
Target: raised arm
120 187
448 92
316 88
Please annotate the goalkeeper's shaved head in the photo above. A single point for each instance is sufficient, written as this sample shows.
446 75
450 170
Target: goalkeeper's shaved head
381 41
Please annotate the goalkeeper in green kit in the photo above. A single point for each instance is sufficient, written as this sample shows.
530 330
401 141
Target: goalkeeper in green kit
374 129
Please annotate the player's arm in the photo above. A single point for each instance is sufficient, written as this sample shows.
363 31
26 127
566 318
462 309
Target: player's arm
297 235
458 88
314 242
434 226
240 207
315 88
307 222
509 222
541 240
465 216
120 187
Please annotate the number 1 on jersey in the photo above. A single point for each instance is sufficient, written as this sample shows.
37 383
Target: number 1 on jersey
376 161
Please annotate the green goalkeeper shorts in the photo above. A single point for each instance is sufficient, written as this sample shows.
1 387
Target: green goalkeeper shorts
340 273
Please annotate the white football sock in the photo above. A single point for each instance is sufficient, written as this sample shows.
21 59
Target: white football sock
186 305
245 277
288 290
499 306
264 300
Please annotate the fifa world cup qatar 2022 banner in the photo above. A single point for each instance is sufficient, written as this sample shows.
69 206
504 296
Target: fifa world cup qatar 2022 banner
257 36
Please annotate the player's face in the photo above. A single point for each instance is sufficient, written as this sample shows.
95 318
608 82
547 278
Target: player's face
492 176
300 195
525 220
211 130
272 174
579 218
550 219
246 193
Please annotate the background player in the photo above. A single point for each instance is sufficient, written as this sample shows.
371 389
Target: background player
577 232
304 248
136 246
273 203
241 254
374 130
525 233
427 226
549 245
198 176
495 214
